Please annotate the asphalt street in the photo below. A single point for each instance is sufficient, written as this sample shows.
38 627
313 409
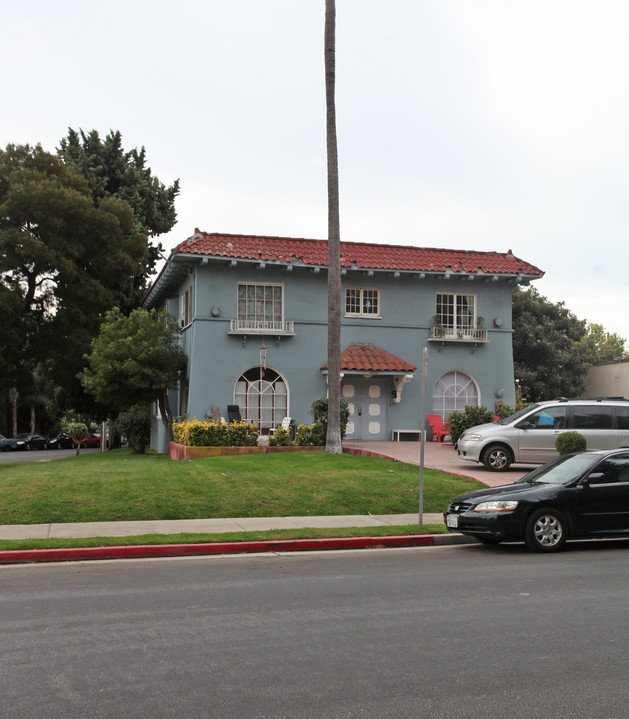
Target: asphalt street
376 634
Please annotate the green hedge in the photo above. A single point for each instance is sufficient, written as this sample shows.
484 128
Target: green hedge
194 433
568 442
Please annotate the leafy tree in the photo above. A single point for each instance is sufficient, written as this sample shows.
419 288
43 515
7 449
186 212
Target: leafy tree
113 172
78 431
603 346
135 360
63 258
549 354
135 424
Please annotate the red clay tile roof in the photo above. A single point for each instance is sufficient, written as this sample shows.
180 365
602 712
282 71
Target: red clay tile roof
361 255
369 358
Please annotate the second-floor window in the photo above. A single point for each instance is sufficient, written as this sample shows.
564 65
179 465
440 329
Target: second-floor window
185 307
362 302
260 306
456 312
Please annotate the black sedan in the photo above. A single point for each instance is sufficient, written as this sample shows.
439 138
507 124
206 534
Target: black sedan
24 441
62 441
576 495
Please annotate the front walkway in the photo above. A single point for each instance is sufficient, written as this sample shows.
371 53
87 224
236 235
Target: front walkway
439 455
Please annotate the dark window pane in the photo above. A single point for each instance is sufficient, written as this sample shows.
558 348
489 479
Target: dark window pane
591 417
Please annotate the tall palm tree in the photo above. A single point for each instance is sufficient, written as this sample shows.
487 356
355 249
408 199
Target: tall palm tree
333 438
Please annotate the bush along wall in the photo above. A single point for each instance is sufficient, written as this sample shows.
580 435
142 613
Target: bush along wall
194 433
568 442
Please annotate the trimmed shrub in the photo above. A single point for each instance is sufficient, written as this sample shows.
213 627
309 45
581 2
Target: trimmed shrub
241 434
194 433
504 411
319 411
311 435
473 416
568 442
281 438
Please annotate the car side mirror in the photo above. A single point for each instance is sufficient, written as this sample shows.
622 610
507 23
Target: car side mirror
524 424
594 478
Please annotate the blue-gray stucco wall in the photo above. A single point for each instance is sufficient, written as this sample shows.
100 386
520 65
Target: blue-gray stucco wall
217 359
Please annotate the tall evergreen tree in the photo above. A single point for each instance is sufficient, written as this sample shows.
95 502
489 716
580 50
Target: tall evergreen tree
113 172
550 356
63 258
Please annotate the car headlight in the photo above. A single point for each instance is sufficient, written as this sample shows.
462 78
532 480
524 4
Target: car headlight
497 506
472 437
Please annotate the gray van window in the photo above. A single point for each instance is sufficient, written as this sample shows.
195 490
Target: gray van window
548 418
622 417
514 417
590 417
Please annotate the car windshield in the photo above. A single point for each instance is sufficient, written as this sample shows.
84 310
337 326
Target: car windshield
561 470
514 417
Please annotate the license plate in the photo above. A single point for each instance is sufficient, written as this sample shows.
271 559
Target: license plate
452 521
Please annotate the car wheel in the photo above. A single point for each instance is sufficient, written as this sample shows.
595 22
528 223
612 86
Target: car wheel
497 458
27 447
546 531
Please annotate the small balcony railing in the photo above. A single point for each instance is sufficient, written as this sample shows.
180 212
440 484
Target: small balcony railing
261 327
443 333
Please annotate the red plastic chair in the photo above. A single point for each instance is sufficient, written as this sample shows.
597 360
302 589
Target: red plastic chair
439 430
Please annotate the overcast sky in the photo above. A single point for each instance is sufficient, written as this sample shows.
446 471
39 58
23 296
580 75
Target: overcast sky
465 124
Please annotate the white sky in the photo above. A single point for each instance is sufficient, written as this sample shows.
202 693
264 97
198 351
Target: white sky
467 124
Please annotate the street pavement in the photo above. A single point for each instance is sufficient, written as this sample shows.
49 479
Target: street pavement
440 456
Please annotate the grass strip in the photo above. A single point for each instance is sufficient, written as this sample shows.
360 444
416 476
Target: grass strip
189 538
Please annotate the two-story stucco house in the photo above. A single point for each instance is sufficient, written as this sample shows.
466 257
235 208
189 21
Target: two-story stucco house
253 315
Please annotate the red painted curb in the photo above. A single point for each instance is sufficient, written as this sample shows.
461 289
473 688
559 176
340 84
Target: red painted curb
138 551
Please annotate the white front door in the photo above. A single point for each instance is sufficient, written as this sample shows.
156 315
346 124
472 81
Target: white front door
368 405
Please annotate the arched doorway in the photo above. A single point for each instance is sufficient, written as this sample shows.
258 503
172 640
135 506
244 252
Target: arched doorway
262 395
452 392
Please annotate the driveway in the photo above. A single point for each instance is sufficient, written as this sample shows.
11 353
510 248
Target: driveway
440 455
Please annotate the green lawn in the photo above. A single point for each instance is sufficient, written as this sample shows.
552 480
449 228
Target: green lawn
119 485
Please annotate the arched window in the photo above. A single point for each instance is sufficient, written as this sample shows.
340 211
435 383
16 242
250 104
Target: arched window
452 392
262 395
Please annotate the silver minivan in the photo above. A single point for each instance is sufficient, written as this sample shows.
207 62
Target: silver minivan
529 435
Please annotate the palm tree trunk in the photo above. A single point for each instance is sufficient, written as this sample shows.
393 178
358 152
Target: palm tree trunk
333 438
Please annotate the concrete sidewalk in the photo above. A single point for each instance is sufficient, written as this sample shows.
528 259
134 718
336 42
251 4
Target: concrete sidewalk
205 526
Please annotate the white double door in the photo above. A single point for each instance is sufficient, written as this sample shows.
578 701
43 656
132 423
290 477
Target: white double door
368 404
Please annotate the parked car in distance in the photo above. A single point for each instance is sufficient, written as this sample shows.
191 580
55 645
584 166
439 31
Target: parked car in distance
62 441
576 495
529 435
24 441
92 440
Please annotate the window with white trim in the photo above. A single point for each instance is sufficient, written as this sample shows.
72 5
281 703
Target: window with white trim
262 396
453 392
456 312
185 307
362 302
260 306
